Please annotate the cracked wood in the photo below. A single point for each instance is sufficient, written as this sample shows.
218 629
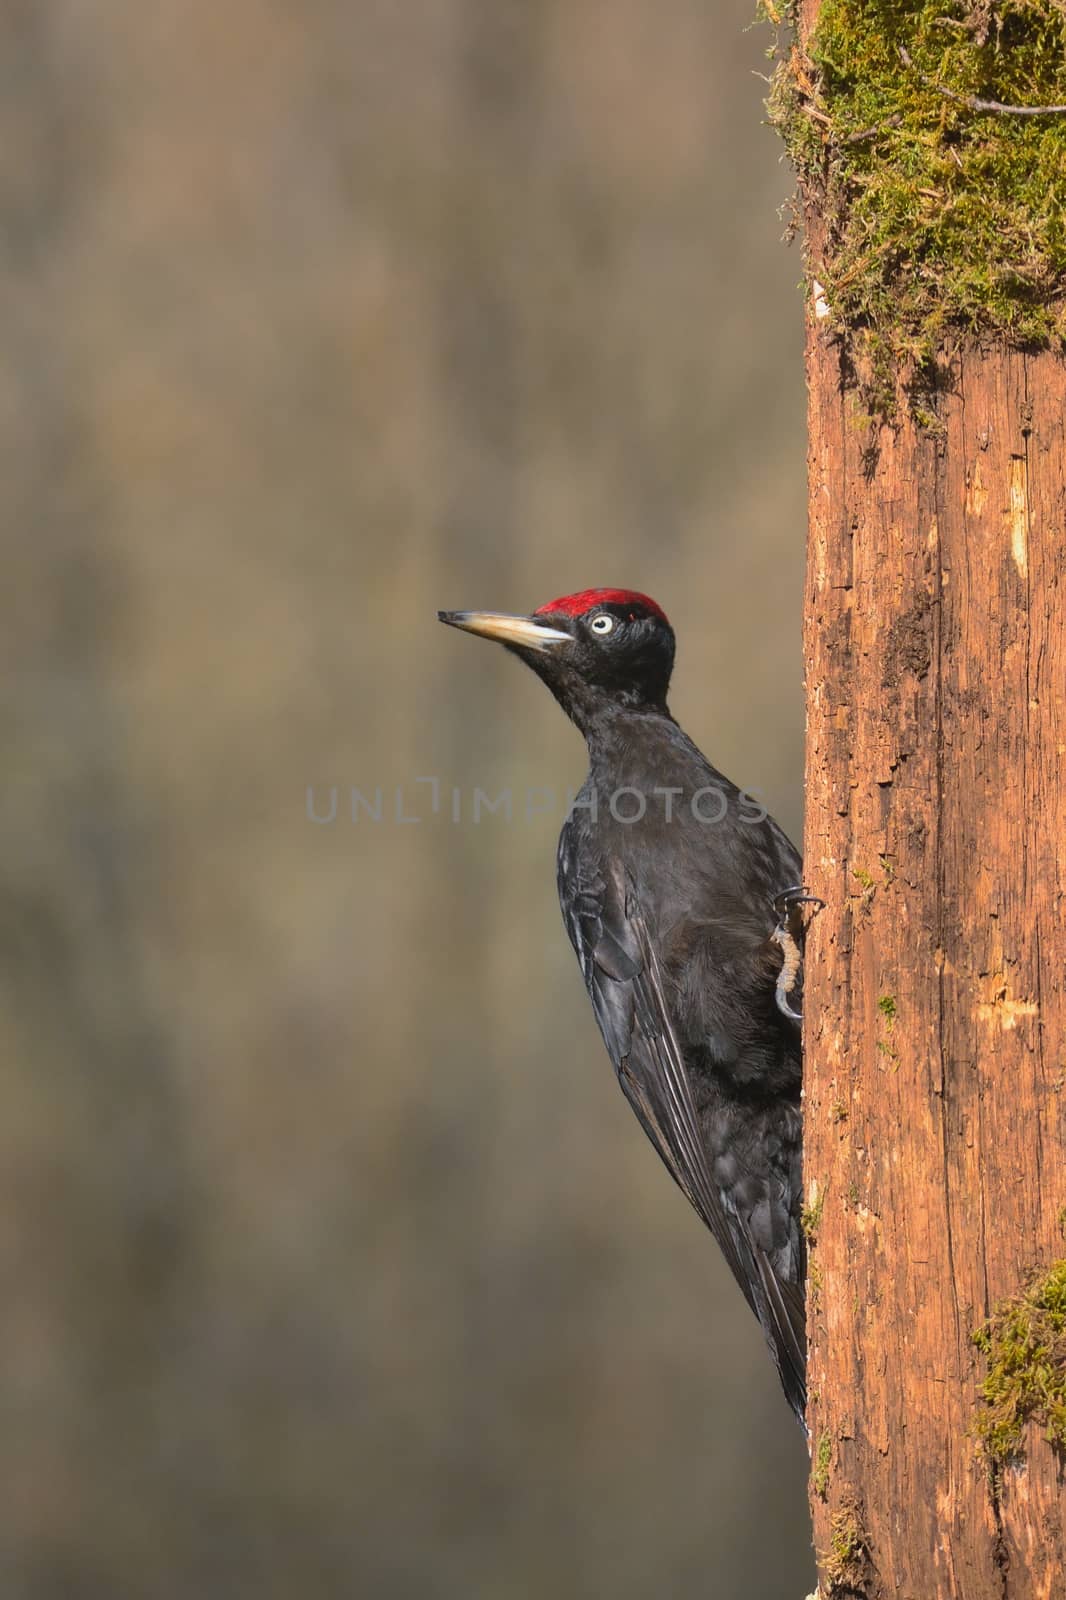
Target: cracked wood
936 1032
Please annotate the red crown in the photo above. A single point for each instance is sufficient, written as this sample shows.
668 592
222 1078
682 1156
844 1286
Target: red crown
576 605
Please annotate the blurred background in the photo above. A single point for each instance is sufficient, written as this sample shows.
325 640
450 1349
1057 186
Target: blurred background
333 1262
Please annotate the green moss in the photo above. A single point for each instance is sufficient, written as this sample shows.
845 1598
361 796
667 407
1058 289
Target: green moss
1024 1345
845 1558
811 1215
823 1458
941 219
886 1005
868 885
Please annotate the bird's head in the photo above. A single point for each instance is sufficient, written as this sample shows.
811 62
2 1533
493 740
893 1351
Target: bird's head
596 650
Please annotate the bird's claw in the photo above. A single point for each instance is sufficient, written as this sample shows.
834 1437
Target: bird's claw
797 895
788 936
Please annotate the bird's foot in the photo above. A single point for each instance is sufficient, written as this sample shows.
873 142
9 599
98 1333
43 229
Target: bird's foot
797 895
789 935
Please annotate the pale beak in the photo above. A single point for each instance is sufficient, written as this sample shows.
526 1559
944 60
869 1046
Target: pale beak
526 633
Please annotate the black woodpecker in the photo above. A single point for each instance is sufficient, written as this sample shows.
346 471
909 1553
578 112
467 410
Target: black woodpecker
683 902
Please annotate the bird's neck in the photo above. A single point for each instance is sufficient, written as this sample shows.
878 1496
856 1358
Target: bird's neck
619 734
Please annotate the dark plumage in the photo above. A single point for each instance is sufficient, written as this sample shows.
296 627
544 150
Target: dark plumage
668 878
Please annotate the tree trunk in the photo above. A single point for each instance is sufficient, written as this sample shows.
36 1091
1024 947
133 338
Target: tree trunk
936 1043
936 1012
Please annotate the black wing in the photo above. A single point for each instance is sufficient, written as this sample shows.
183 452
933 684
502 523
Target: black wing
625 982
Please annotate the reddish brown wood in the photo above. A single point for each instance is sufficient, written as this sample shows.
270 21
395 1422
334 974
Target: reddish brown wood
935 630
935 831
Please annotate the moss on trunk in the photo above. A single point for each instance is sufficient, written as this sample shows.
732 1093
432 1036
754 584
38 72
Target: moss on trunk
1024 1344
938 218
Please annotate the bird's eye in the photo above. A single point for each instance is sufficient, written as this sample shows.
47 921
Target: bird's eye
602 624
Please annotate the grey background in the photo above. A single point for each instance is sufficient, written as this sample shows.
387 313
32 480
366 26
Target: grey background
332 1261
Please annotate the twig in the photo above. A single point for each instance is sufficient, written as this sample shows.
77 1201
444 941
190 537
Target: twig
976 104
878 127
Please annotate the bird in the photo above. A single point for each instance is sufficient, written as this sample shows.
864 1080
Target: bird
684 902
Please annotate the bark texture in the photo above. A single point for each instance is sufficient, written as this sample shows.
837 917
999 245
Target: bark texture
936 1036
